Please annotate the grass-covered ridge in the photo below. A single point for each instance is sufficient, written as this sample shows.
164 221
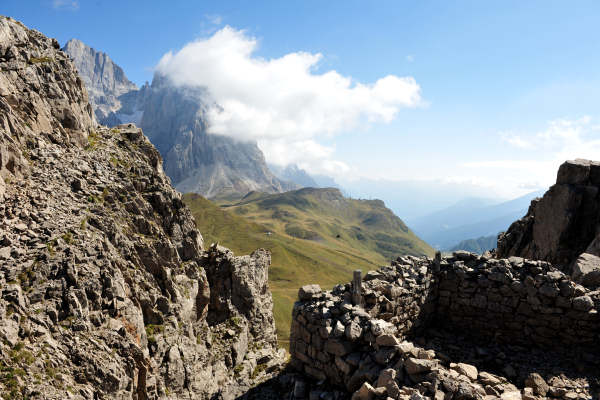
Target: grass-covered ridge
316 236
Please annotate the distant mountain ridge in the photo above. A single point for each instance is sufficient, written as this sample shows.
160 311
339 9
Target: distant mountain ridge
292 173
468 219
479 245
174 119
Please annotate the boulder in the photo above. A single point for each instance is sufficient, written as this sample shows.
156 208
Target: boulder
537 383
586 270
308 292
416 366
386 340
468 370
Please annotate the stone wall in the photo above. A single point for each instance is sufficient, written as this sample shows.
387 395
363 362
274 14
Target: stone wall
508 300
517 301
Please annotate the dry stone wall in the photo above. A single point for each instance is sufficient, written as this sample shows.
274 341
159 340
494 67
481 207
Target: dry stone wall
512 300
517 301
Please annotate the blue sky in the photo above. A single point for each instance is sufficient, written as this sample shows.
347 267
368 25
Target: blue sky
507 89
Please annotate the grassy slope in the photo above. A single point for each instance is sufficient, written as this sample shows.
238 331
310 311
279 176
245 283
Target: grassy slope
305 225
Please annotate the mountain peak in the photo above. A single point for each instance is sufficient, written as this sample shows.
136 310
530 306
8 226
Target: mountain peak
106 81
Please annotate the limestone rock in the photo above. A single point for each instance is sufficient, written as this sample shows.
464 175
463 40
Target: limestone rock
563 223
103 274
465 369
537 383
106 84
586 270
417 366
307 292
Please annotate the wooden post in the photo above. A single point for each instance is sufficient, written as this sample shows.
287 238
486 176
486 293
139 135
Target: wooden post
357 288
436 261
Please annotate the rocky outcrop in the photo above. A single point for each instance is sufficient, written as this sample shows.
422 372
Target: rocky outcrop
564 223
105 288
115 98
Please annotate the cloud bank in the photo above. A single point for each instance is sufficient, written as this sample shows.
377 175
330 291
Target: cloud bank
284 103
538 154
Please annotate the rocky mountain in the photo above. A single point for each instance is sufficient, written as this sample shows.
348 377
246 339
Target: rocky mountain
106 84
174 119
478 246
564 223
106 290
292 173
215 166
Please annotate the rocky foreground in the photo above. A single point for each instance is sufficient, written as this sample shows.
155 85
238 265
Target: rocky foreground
105 288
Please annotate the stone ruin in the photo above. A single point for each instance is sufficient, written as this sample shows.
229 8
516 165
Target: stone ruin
468 326
459 327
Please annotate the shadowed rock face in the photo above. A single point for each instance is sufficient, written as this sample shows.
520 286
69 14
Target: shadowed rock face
564 223
105 289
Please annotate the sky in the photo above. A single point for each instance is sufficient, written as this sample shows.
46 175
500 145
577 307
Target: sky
489 96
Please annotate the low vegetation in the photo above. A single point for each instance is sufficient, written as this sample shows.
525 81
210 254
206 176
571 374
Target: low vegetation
314 235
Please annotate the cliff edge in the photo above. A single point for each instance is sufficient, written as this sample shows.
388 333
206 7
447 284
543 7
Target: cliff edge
106 290
562 225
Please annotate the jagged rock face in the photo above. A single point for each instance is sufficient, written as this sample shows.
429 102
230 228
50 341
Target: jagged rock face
174 118
105 289
54 108
564 223
212 165
106 83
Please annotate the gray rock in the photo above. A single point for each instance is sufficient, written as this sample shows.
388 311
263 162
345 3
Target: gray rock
537 383
308 292
353 331
569 209
586 270
105 81
386 340
468 370
338 347
366 392
417 366
583 303
110 281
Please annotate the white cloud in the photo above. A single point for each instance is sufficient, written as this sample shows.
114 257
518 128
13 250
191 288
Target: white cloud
214 19
307 154
70 4
284 103
565 136
540 153
516 141
410 58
